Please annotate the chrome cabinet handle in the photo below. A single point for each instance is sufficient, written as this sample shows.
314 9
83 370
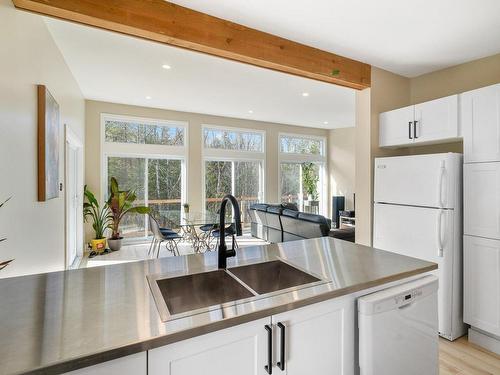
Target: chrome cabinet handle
409 130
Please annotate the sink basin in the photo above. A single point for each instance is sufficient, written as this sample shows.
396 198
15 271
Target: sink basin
272 276
192 292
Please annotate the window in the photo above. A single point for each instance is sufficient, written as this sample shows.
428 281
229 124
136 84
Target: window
147 156
233 164
302 165
141 131
290 144
224 139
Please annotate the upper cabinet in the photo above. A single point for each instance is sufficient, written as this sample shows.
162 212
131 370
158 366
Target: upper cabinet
480 119
430 122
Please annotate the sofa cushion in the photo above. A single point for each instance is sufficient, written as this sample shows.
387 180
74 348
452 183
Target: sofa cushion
259 206
290 206
313 218
275 210
290 213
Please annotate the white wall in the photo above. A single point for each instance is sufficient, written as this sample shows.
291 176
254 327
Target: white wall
29 56
342 164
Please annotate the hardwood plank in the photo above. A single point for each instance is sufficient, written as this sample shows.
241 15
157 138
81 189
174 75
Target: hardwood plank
462 358
168 23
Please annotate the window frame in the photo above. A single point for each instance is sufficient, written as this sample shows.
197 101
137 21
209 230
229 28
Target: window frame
298 158
215 154
141 150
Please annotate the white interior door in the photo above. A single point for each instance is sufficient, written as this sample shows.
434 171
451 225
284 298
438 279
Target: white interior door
72 191
73 197
423 180
424 233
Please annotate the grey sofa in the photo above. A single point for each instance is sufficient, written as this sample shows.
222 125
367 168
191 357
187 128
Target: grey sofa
283 222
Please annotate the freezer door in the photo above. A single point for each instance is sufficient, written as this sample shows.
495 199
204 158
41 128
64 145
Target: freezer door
424 233
422 180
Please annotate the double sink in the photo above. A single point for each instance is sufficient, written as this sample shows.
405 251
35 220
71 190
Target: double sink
182 296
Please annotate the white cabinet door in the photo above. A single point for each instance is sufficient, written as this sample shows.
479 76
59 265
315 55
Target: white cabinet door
482 283
238 350
396 127
319 339
482 199
436 120
480 119
135 364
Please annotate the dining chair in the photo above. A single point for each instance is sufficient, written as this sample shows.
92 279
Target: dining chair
163 235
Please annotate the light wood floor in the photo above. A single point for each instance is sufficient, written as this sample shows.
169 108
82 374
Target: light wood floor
462 358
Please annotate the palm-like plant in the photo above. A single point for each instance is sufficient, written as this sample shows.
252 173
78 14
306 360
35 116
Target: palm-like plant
101 216
4 263
120 204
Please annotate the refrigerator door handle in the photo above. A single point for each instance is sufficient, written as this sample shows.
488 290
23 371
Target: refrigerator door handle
439 239
442 169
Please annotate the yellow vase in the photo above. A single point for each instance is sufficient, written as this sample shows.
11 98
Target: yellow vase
98 245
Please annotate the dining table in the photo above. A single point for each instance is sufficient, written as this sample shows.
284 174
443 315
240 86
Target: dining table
196 226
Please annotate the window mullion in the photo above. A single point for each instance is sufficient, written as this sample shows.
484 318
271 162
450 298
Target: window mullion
146 195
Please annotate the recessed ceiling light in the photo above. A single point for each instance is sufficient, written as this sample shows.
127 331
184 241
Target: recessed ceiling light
305 94
325 122
250 111
166 66
148 97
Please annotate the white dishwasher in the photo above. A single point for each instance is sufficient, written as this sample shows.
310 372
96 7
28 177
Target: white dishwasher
398 330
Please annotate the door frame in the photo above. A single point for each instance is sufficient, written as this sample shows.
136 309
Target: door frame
71 140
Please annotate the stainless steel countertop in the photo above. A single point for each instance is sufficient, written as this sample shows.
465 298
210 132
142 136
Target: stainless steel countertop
60 321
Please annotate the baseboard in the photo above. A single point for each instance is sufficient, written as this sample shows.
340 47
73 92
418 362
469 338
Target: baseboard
484 340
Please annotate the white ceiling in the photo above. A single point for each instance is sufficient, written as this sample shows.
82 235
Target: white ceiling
406 37
121 69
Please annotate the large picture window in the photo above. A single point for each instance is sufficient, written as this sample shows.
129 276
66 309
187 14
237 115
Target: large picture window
147 156
233 164
302 165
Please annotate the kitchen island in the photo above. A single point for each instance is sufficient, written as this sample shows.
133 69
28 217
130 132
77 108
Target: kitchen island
62 321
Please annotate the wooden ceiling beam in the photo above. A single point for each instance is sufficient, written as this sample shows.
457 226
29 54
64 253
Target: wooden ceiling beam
168 23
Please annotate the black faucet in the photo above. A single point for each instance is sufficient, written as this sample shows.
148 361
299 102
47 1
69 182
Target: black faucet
224 253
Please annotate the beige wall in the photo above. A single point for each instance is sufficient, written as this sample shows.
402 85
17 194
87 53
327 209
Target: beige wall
341 163
194 167
35 231
388 91
457 79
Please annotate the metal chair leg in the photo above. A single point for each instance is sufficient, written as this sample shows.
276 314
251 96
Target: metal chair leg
159 247
151 245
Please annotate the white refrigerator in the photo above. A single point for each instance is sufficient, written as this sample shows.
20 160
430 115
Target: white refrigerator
418 212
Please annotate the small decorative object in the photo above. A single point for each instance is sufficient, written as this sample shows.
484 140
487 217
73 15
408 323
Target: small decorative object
335 72
48 145
120 204
101 219
186 208
4 263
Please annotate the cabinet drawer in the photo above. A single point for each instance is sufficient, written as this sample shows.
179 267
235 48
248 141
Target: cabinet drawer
482 283
482 200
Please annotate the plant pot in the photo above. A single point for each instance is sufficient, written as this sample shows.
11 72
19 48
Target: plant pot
115 244
98 245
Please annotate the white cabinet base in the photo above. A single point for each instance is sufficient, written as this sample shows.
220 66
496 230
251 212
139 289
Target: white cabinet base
479 338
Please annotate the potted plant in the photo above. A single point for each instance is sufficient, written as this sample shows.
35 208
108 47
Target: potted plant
101 219
4 263
186 208
120 204
310 181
